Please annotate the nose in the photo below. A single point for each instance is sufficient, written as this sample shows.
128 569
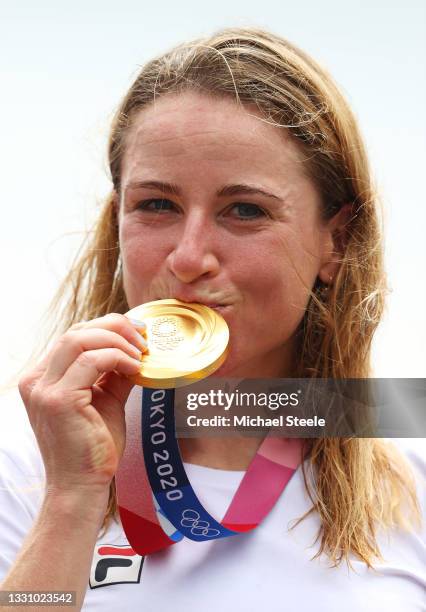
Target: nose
194 255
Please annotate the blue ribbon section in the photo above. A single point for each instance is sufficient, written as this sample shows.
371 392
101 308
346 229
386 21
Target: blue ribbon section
166 473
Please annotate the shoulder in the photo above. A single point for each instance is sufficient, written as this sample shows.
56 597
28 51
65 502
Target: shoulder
413 451
20 458
22 479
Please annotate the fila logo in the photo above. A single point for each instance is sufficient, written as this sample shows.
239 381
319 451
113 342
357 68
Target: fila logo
115 565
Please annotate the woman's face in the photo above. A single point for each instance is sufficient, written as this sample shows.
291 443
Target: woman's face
215 208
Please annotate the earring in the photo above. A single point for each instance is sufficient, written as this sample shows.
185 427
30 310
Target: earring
323 290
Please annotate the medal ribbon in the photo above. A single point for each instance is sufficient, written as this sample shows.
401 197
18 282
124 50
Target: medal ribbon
139 516
175 511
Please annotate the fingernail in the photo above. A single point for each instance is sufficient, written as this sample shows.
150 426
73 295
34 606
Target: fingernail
138 324
138 354
143 342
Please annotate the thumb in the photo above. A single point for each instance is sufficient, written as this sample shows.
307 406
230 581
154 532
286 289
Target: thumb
113 388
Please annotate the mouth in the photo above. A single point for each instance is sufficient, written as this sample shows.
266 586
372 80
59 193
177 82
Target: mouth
219 307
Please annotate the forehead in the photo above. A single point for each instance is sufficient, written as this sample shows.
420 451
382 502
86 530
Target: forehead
201 132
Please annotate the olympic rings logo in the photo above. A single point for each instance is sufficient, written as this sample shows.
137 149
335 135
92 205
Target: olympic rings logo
190 519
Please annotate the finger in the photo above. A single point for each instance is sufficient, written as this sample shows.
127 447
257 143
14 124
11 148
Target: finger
133 332
90 365
118 323
109 396
73 343
113 322
30 377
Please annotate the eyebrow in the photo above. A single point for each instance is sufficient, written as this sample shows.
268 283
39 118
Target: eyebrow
226 190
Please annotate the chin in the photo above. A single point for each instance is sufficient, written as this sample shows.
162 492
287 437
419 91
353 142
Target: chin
235 366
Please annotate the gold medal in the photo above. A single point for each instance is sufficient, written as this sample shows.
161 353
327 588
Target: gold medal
186 342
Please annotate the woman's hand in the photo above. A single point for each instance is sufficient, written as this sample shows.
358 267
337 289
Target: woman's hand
75 402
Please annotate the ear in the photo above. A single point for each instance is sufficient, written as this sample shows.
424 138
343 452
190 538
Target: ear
336 230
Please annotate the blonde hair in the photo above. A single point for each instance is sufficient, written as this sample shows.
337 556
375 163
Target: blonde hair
359 484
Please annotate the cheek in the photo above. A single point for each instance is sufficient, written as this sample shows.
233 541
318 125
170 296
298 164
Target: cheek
142 260
279 273
140 250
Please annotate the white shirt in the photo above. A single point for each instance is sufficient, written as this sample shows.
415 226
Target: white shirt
269 568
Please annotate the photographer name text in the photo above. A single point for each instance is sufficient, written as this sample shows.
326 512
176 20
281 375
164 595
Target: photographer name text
254 421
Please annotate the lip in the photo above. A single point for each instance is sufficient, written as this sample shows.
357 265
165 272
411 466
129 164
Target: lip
219 306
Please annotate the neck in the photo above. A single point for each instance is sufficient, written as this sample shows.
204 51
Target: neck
279 362
233 453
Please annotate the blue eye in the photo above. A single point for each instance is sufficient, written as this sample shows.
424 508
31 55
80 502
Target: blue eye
243 211
248 212
156 205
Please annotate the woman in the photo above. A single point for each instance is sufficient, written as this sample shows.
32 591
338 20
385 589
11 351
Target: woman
239 181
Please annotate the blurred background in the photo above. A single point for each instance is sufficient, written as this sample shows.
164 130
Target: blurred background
65 66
